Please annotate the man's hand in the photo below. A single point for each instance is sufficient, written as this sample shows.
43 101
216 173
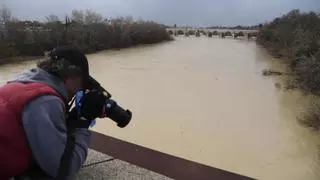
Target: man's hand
92 105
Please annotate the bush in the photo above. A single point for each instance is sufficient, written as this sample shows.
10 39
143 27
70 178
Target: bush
310 116
295 37
307 73
86 29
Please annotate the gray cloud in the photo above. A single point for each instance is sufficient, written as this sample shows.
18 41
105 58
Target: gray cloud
182 12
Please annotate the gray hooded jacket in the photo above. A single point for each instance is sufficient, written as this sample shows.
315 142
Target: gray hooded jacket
44 123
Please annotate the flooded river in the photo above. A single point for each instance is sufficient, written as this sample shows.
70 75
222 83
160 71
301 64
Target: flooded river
204 99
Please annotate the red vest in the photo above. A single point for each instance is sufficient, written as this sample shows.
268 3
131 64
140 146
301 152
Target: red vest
15 155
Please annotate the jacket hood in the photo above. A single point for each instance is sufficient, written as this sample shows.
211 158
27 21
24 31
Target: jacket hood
38 75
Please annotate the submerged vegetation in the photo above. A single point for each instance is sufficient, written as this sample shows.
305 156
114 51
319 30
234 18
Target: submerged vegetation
88 30
294 39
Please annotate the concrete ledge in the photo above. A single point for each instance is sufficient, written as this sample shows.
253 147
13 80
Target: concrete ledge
165 164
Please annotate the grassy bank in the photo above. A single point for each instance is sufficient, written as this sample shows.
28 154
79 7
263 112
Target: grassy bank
294 39
88 30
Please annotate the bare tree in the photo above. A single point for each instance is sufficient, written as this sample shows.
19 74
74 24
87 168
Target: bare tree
128 19
89 30
78 16
93 17
52 18
5 15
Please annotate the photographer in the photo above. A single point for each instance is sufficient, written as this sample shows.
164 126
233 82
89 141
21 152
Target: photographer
34 116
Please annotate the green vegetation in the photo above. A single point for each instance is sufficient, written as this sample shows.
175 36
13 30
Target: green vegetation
294 39
88 30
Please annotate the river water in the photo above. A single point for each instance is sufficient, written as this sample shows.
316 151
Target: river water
204 99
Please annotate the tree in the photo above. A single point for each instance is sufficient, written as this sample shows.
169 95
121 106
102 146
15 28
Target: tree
92 17
293 14
89 30
128 19
5 16
52 18
78 16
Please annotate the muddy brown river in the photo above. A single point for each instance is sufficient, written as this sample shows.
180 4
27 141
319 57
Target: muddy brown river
204 99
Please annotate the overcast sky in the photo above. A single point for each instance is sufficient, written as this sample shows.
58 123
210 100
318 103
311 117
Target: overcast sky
181 12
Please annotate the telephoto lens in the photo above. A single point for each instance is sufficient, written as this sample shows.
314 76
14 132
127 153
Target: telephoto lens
118 114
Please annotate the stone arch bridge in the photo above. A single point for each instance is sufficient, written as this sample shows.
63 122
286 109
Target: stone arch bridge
235 33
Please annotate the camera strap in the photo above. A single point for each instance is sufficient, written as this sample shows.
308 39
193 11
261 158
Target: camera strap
66 158
73 123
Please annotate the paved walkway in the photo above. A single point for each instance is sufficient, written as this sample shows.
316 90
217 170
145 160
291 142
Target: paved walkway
114 169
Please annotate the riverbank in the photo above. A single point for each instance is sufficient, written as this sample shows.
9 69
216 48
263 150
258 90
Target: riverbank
88 30
294 40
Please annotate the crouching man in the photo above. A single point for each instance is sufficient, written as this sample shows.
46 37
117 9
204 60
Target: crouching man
34 114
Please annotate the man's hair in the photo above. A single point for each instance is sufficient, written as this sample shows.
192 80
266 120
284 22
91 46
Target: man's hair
58 62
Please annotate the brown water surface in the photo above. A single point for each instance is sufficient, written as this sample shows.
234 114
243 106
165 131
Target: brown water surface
204 99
